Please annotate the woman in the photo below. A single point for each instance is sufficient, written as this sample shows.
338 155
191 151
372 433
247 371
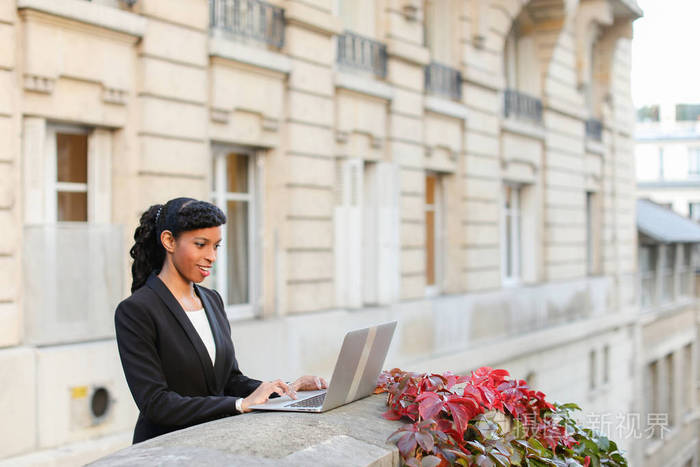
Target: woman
173 336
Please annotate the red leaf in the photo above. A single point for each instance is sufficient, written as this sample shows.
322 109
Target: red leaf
392 414
426 441
430 405
461 416
587 461
406 444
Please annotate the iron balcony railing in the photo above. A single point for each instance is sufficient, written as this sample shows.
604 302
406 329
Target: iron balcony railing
443 80
362 53
249 19
519 105
594 129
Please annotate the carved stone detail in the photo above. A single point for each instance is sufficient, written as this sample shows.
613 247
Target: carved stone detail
38 83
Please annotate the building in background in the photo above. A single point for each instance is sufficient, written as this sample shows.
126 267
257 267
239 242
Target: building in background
668 330
466 170
667 149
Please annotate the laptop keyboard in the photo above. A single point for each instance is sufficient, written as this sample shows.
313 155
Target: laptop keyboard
316 401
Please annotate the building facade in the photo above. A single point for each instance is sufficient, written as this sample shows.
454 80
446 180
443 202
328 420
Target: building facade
667 151
462 166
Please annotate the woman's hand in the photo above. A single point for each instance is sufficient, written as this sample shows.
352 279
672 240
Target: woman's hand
262 393
309 383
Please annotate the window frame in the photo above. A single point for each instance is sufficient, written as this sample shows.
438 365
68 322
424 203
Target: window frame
253 197
97 186
511 241
432 290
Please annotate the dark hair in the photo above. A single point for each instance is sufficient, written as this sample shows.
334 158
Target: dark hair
177 215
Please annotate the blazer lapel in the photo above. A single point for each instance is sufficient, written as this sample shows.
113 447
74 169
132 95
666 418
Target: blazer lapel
217 332
174 307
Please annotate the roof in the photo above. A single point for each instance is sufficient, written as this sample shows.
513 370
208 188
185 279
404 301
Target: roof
665 226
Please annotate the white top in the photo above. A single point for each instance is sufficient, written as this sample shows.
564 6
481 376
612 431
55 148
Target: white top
201 324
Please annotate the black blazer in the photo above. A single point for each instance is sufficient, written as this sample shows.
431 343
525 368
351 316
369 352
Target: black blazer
167 366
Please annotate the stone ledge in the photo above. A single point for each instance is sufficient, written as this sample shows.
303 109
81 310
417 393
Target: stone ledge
351 435
363 85
90 13
223 47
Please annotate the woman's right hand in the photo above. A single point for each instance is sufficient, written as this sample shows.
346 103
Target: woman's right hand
263 392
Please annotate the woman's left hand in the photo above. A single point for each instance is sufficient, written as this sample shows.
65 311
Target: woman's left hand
309 383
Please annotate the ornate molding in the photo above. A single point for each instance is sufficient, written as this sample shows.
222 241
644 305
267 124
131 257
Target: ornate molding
36 83
114 96
219 115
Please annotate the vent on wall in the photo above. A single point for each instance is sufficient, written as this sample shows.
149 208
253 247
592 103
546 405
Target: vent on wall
91 405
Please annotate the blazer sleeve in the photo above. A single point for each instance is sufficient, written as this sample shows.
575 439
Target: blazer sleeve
136 336
237 383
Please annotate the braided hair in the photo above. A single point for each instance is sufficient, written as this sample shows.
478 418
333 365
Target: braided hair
177 215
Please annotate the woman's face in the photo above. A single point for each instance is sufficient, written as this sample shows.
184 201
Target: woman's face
195 252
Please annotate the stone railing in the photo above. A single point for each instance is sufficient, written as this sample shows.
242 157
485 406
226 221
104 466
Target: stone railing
351 435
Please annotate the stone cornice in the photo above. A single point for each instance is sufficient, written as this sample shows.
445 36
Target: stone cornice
89 13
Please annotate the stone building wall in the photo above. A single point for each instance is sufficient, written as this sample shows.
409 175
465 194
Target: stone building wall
162 95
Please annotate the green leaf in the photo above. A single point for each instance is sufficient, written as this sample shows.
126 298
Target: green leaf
603 443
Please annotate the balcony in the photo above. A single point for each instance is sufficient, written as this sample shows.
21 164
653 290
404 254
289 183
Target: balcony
248 20
444 81
361 53
594 129
74 278
521 106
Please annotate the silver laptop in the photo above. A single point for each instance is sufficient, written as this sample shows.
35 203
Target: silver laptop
355 376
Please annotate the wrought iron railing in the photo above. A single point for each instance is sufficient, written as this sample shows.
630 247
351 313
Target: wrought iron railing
362 53
443 80
249 19
519 105
594 129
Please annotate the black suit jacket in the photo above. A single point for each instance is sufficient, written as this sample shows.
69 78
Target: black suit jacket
167 366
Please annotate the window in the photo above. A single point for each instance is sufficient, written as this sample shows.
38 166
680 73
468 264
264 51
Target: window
433 232
648 114
358 16
653 405
366 233
606 364
693 162
668 292
670 401
439 30
592 234
520 62
688 379
687 112
76 176
694 211
661 163
511 241
686 273
592 370
234 192
71 177
647 271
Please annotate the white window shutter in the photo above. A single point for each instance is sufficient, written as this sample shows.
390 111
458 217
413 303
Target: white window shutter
100 176
387 259
370 235
348 234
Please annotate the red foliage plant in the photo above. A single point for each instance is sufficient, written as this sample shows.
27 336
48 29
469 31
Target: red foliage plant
453 420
